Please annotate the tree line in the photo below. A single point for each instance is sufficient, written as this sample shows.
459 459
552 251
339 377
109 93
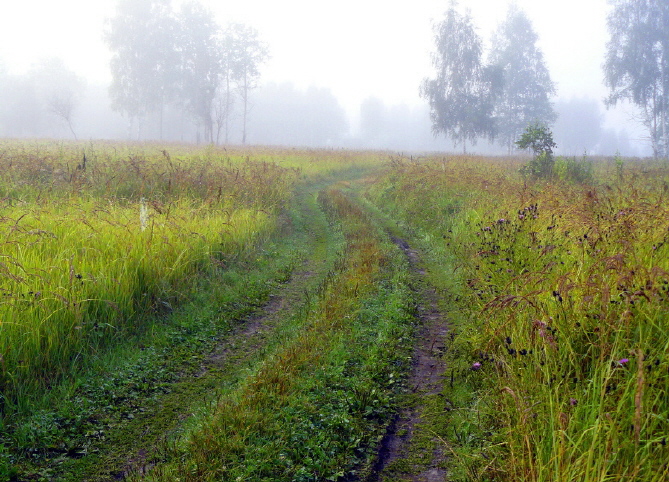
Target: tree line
184 59
497 96
637 64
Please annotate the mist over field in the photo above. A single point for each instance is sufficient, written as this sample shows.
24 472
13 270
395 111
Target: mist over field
346 77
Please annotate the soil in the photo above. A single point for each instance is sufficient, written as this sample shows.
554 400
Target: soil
426 378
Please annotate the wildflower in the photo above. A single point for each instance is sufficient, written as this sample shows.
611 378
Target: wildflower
622 361
573 402
476 366
521 216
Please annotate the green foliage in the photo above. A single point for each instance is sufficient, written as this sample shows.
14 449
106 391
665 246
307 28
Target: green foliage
120 398
636 67
565 291
620 166
83 269
539 139
317 406
574 170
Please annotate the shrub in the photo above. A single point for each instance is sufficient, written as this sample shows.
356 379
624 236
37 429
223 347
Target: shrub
539 138
574 170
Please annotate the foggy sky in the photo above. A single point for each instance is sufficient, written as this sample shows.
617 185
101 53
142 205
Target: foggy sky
357 48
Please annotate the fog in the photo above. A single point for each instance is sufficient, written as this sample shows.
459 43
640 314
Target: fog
345 74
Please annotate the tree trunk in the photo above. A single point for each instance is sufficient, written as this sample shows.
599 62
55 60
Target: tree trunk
663 113
160 120
245 98
69 123
228 103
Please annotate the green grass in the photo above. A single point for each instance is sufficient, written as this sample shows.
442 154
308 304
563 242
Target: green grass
558 285
105 311
118 277
317 407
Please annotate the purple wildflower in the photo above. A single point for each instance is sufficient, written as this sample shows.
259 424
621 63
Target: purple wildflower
476 366
573 402
622 361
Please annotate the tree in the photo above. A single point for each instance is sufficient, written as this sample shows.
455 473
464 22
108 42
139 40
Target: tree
527 86
200 63
183 59
224 102
637 64
144 61
59 90
21 112
251 53
288 116
460 95
539 138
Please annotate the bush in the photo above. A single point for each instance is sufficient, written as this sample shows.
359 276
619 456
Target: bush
539 138
574 170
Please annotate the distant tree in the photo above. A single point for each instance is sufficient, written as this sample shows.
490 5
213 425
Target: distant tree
527 86
142 37
251 52
637 64
229 73
59 89
21 112
460 95
183 59
288 116
200 63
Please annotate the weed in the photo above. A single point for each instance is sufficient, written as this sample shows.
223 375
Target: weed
563 292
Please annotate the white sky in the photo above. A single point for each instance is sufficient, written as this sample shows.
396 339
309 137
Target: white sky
357 48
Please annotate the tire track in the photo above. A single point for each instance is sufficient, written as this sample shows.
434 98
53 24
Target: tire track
426 378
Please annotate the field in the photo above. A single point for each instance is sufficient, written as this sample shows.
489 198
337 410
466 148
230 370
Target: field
179 313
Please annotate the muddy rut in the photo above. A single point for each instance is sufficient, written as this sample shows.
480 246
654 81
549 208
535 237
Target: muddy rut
426 378
240 345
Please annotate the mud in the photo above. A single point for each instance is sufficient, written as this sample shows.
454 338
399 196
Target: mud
426 378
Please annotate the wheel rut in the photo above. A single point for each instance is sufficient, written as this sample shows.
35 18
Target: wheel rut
236 348
165 420
426 378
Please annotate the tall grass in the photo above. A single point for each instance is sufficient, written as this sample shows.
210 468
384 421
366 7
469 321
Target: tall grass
95 237
567 290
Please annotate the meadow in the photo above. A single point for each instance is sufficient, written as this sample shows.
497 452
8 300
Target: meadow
130 271
562 346
95 238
